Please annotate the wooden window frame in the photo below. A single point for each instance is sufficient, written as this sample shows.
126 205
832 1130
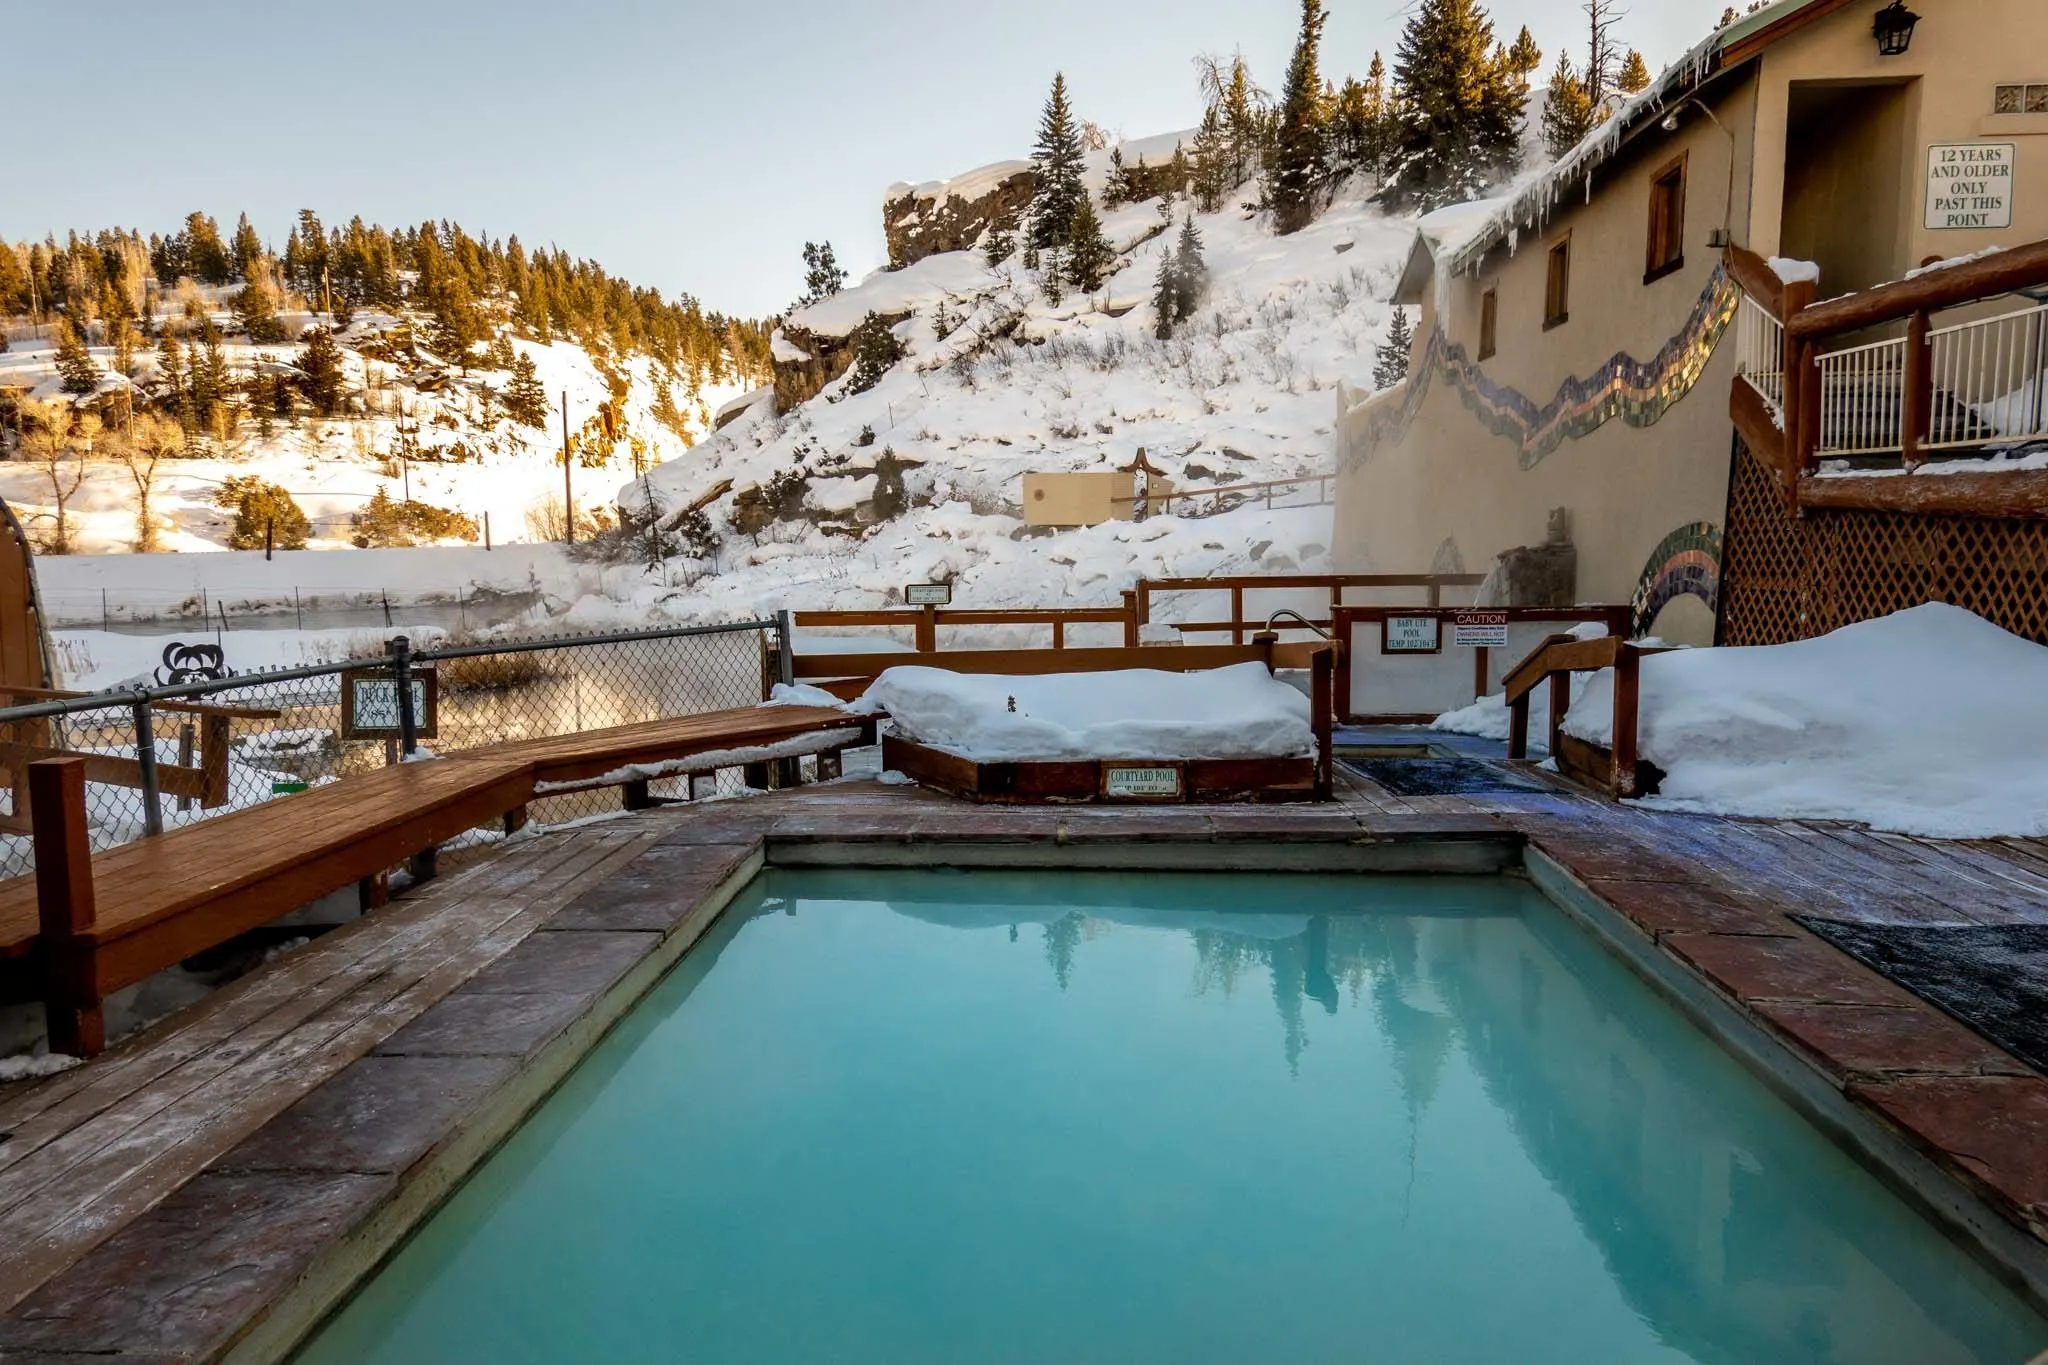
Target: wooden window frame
1557 302
1489 323
1653 268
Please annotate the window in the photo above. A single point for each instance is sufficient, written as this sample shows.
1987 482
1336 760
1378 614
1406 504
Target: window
1489 322
1667 222
1557 285
2021 99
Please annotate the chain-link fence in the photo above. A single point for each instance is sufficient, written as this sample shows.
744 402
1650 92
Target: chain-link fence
161 757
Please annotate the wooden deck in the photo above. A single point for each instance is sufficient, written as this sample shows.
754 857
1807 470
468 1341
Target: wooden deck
207 1160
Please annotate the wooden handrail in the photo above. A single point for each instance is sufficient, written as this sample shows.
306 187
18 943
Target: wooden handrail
1756 278
2002 272
1562 656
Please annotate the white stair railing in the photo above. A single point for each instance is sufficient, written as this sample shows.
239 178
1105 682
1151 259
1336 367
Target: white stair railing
1862 399
1989 378
1760 352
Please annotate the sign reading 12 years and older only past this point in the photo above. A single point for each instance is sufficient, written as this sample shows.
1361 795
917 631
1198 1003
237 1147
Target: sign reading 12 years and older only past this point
1969 184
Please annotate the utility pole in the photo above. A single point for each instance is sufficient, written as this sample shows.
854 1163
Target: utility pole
568 496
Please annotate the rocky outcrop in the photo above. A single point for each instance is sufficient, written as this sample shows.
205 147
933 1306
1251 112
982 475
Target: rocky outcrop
949 215
805 361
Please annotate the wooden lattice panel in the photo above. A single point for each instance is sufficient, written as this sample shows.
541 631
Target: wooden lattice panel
1787 577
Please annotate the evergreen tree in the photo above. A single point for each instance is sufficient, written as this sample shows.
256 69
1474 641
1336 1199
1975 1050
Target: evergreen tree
1191 273
256 308
822 276
1243 107
1390 357
209 374
1568 113
170 377
247 250
75 364
320 373
1211 163
1457 128
265 514
313 259
1298 142
1058 160
526 402
1165 296
1088 257
205 255
1524 57
875 349
1635 74
14 295
1116 191
1000 243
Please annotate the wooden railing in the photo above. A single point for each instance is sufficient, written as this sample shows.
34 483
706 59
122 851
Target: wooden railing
924 622
1976 384
1432 588
1618 769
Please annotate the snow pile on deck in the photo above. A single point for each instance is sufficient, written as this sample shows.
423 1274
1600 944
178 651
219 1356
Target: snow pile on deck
1237 712
1929 721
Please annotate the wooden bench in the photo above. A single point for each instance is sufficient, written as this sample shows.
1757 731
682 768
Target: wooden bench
100 922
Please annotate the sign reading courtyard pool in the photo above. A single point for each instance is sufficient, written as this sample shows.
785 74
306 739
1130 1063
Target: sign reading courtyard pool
1120 780
1969 185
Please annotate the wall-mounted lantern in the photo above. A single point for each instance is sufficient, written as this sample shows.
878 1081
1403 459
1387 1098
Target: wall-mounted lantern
1893 28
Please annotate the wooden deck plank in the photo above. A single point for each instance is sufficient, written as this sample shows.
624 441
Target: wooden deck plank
132 1158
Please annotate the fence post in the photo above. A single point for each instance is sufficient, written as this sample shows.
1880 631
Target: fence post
1917 402
188 741
1322 720
64 906
1627 709
145 760
401 676
928 631
785 655
1131 634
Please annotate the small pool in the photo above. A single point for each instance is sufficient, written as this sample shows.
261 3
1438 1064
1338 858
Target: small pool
933 1116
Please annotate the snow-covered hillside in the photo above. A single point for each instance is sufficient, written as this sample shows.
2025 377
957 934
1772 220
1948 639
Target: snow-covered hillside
471 456
1000 380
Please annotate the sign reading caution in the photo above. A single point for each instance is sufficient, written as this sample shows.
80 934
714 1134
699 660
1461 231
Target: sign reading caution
1969 185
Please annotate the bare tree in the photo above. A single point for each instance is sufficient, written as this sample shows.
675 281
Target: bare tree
1603 55
58 444
149 442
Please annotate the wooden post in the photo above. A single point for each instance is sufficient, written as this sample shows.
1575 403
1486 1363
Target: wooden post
1132 617
1322 672
1481 657
1237 613
1518 729
1560 686
65 908
928 631
1798 398
1627 695
424 864
1917 403
215 736
1059 633
515 819
373 892
831 765
635 796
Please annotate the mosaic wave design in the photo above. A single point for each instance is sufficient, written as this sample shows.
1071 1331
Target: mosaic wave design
1639 392
1686 563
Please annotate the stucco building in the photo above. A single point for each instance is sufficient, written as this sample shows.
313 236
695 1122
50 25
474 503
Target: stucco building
1610 342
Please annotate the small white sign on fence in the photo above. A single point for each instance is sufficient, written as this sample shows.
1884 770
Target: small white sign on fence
1118 781
928 594
1969 185
1480 630
1412 635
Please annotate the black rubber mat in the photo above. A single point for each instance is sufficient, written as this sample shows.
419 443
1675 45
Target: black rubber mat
1440 776
1992 977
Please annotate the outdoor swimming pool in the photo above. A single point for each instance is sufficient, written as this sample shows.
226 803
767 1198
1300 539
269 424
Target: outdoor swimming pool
930 1116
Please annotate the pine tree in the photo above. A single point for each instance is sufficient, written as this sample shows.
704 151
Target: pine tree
1000 243
1166 295
1635 74
1088 257
1298 145
875 349
1568 113
170 376
1390 357
1191 273
313 259
1245 122
247 250
75 364
209 375
256 308
1211 163
320 374
1116 191
1058 161
822 276
1457 130
14 292
1524 57
526 402
205 255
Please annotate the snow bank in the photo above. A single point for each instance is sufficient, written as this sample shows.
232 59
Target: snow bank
1236 712
1925 722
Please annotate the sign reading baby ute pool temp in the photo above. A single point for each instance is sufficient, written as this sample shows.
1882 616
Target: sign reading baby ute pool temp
1969 185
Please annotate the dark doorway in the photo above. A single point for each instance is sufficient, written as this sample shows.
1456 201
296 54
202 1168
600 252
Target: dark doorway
1845 180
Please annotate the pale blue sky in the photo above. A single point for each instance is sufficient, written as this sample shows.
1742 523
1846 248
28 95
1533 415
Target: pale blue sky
686 145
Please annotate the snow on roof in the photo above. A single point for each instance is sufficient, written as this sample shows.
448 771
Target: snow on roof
1466 238
950 274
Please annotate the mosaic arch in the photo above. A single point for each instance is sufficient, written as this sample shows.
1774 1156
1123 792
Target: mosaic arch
1686 563
1639 392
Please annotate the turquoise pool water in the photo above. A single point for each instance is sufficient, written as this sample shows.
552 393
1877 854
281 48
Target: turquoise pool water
982 1117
